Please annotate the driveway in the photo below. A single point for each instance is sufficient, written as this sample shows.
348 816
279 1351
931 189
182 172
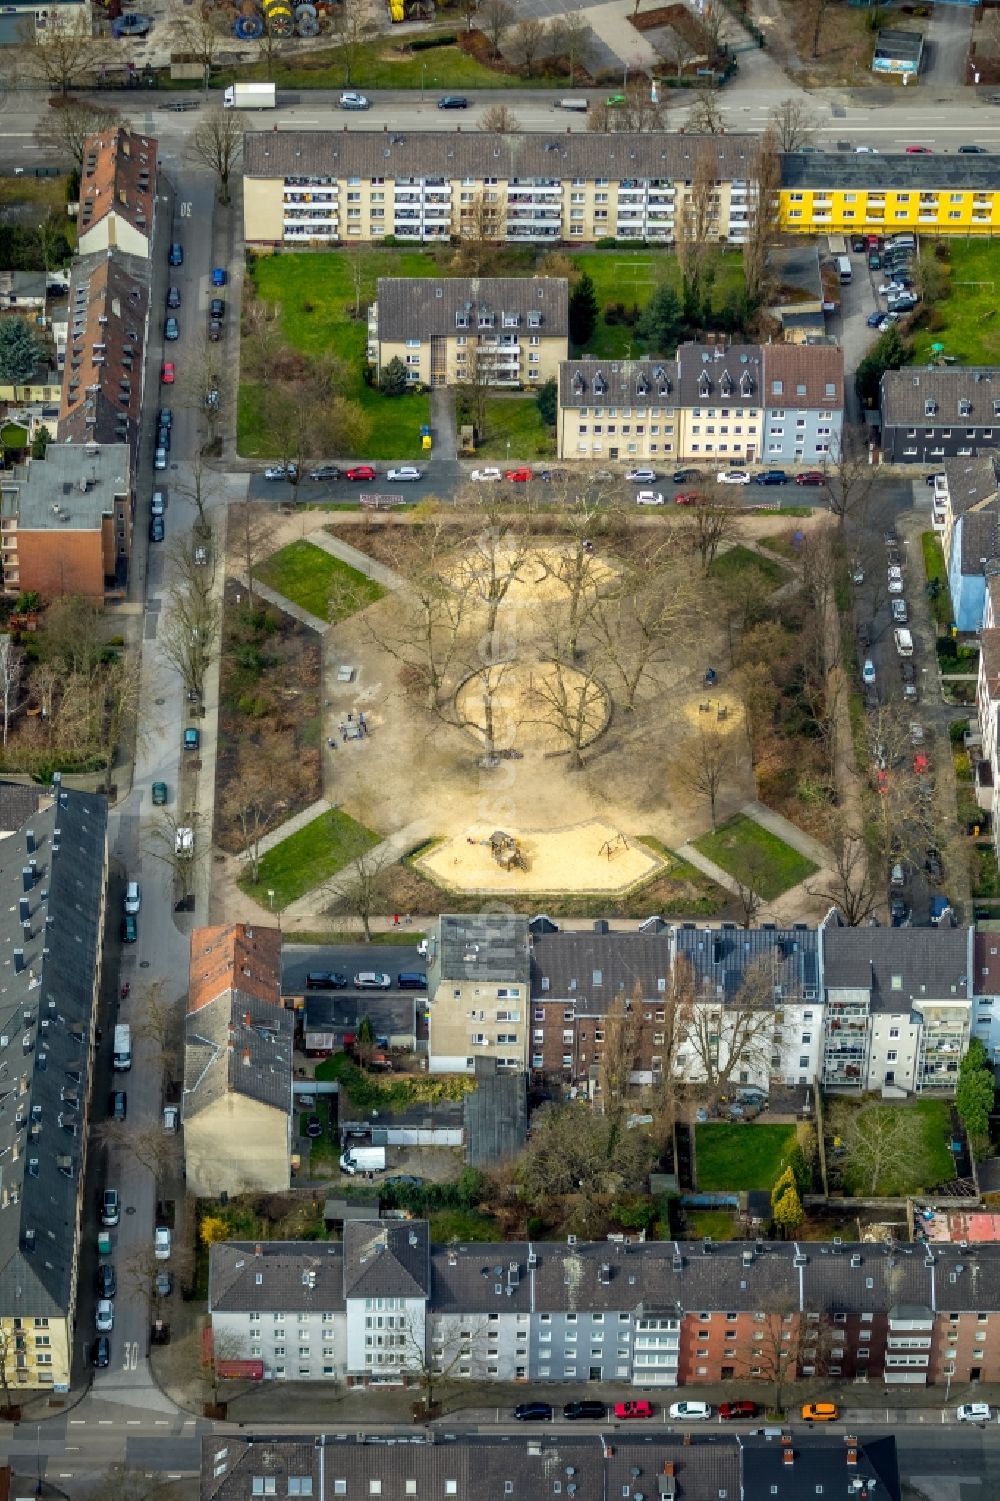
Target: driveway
947 46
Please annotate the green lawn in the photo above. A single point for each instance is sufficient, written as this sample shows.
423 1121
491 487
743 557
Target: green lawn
463 1224
970 329
937 578
308 857
517 419
386 64
928 1161
13 435
631 277
308 576
728 565
734 1156
775 866
717 1224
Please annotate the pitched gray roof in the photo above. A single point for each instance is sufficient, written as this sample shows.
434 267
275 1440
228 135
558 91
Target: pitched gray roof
900 966
820 1465
461 153
476 1468
589 382
846 170
907 394
719 958
980 535
412 307
388 1013
241 1043
714 373
972 481
384 1260
487 946
496 1115
293 1276
47 1019
591 969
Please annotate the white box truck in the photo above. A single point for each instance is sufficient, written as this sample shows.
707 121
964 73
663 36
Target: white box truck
362 1160
249 96
123 1047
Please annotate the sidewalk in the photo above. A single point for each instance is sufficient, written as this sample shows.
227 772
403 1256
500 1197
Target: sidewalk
314 903
782 828
353 556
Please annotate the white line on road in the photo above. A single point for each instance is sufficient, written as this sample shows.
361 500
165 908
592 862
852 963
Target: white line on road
105 1422
77 1422
162 1422
133 1422
65 1474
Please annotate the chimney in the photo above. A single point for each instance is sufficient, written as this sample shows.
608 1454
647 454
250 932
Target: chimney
26 878
18 961
247 1019
246 1057
669 1467
788 1455
852 1454
24 908
257 1250
29 841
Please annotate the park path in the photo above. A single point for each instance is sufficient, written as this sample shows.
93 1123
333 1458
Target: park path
355 558
288 606
782 828
295 823
387 853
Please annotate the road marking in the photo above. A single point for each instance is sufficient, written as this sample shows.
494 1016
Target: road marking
77 1422
162 1422
105 1422
133 1422
65 1474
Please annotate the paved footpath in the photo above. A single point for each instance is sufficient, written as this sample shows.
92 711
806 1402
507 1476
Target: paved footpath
783 828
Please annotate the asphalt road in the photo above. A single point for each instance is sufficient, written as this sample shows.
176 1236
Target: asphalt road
387 958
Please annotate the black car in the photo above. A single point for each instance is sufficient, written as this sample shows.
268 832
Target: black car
533 1412
899 913
164 417
972 151
453 101
551 475
107 1283
325 471
685 476
173 297
771 477
215 330
118 1105
326 979
907 672
163 437
100 1352
584 1410
217 308
858 243
314 1127
932 864
176 256
157 531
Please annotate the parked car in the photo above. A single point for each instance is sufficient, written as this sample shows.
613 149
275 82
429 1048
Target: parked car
167 373
453 101
731 1410
533 1412
212 399
771 477
637 1408
326 979
165 417
171 1119
875 320
130 929
163 438
184 842
157 503
159 794
160 459
361 471
932 864
519 476
157 530
161 1243
133 898
874 260
974 1412
686 476
111 1207
351 100
691 1412
900 614
314 1127
163 1284
289 472
104 1315
171 328
175 256
641 476
584 1409
688 498
820 1412
732 477
649 498
324 472
218 276
486 476
918 151
217 308
192 737
118 1100
551 476
972 151
811 477
868 671
100 1352
214 330
371 979
405 474
107 1282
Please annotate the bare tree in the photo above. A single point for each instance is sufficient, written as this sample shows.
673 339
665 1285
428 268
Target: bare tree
762 220
356 257
849 885
439 1349
499 120
199 30
750 875
704 760
677 1002
496 17
849 476
571 698
697 228
61 54
710 519
774 1348
189 631
201 488
353 27
620 1049
167 841
637 616
217 143
675 50
815 13
637 112
11 671
526 43
120 687
705 117
259 798
731 1036
571 39
249 537
68 129
879 1144
361 886
480 228
793 124
155 1019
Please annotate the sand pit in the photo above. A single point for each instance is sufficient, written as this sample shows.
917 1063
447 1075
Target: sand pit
711 710
570 859
524 698
537 581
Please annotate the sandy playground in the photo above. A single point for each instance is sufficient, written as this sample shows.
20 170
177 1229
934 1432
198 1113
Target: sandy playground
591 856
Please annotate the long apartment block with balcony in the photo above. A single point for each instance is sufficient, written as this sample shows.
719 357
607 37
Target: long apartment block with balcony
500 331
934 194
322 187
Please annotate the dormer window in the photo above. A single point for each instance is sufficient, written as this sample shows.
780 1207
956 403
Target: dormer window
726 384
579 384
746 383
461 320
704 384
964 407
511 320
600 385
642 386
486 320
534 318
930 408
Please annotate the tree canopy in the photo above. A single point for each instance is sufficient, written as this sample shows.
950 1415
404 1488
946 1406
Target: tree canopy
20 352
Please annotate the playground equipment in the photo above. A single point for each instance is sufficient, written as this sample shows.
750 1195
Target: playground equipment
507 851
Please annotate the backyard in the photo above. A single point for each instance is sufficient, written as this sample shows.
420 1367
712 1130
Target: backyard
742 846
624 281
888 1150
736 1156
513 428
964 314
314 580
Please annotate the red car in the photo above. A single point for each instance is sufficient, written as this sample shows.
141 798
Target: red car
167 372
919 151
687 498
519 476
920 764
811 477
737 1409
633 1409
361 471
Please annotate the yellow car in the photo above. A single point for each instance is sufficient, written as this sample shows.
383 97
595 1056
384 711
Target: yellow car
820 1412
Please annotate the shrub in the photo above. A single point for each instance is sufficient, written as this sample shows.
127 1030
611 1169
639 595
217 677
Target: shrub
425 43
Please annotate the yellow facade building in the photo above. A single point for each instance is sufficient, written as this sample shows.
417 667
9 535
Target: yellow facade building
933 195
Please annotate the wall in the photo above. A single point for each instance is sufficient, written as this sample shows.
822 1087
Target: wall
236 1145
63 562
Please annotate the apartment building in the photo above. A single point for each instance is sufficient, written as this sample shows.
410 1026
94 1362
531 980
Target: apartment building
496 330
933 195
53 875
986 991
320 187
932 414
966 513
729 404
898 1010
478 977
653 1314
105 350
237 1063
118 192
66 521
988 698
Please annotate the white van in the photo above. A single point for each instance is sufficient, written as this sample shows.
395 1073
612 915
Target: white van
579 106
904 643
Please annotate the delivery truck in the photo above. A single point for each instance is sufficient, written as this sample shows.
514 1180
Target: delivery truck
249 96
123 1047
362 1160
